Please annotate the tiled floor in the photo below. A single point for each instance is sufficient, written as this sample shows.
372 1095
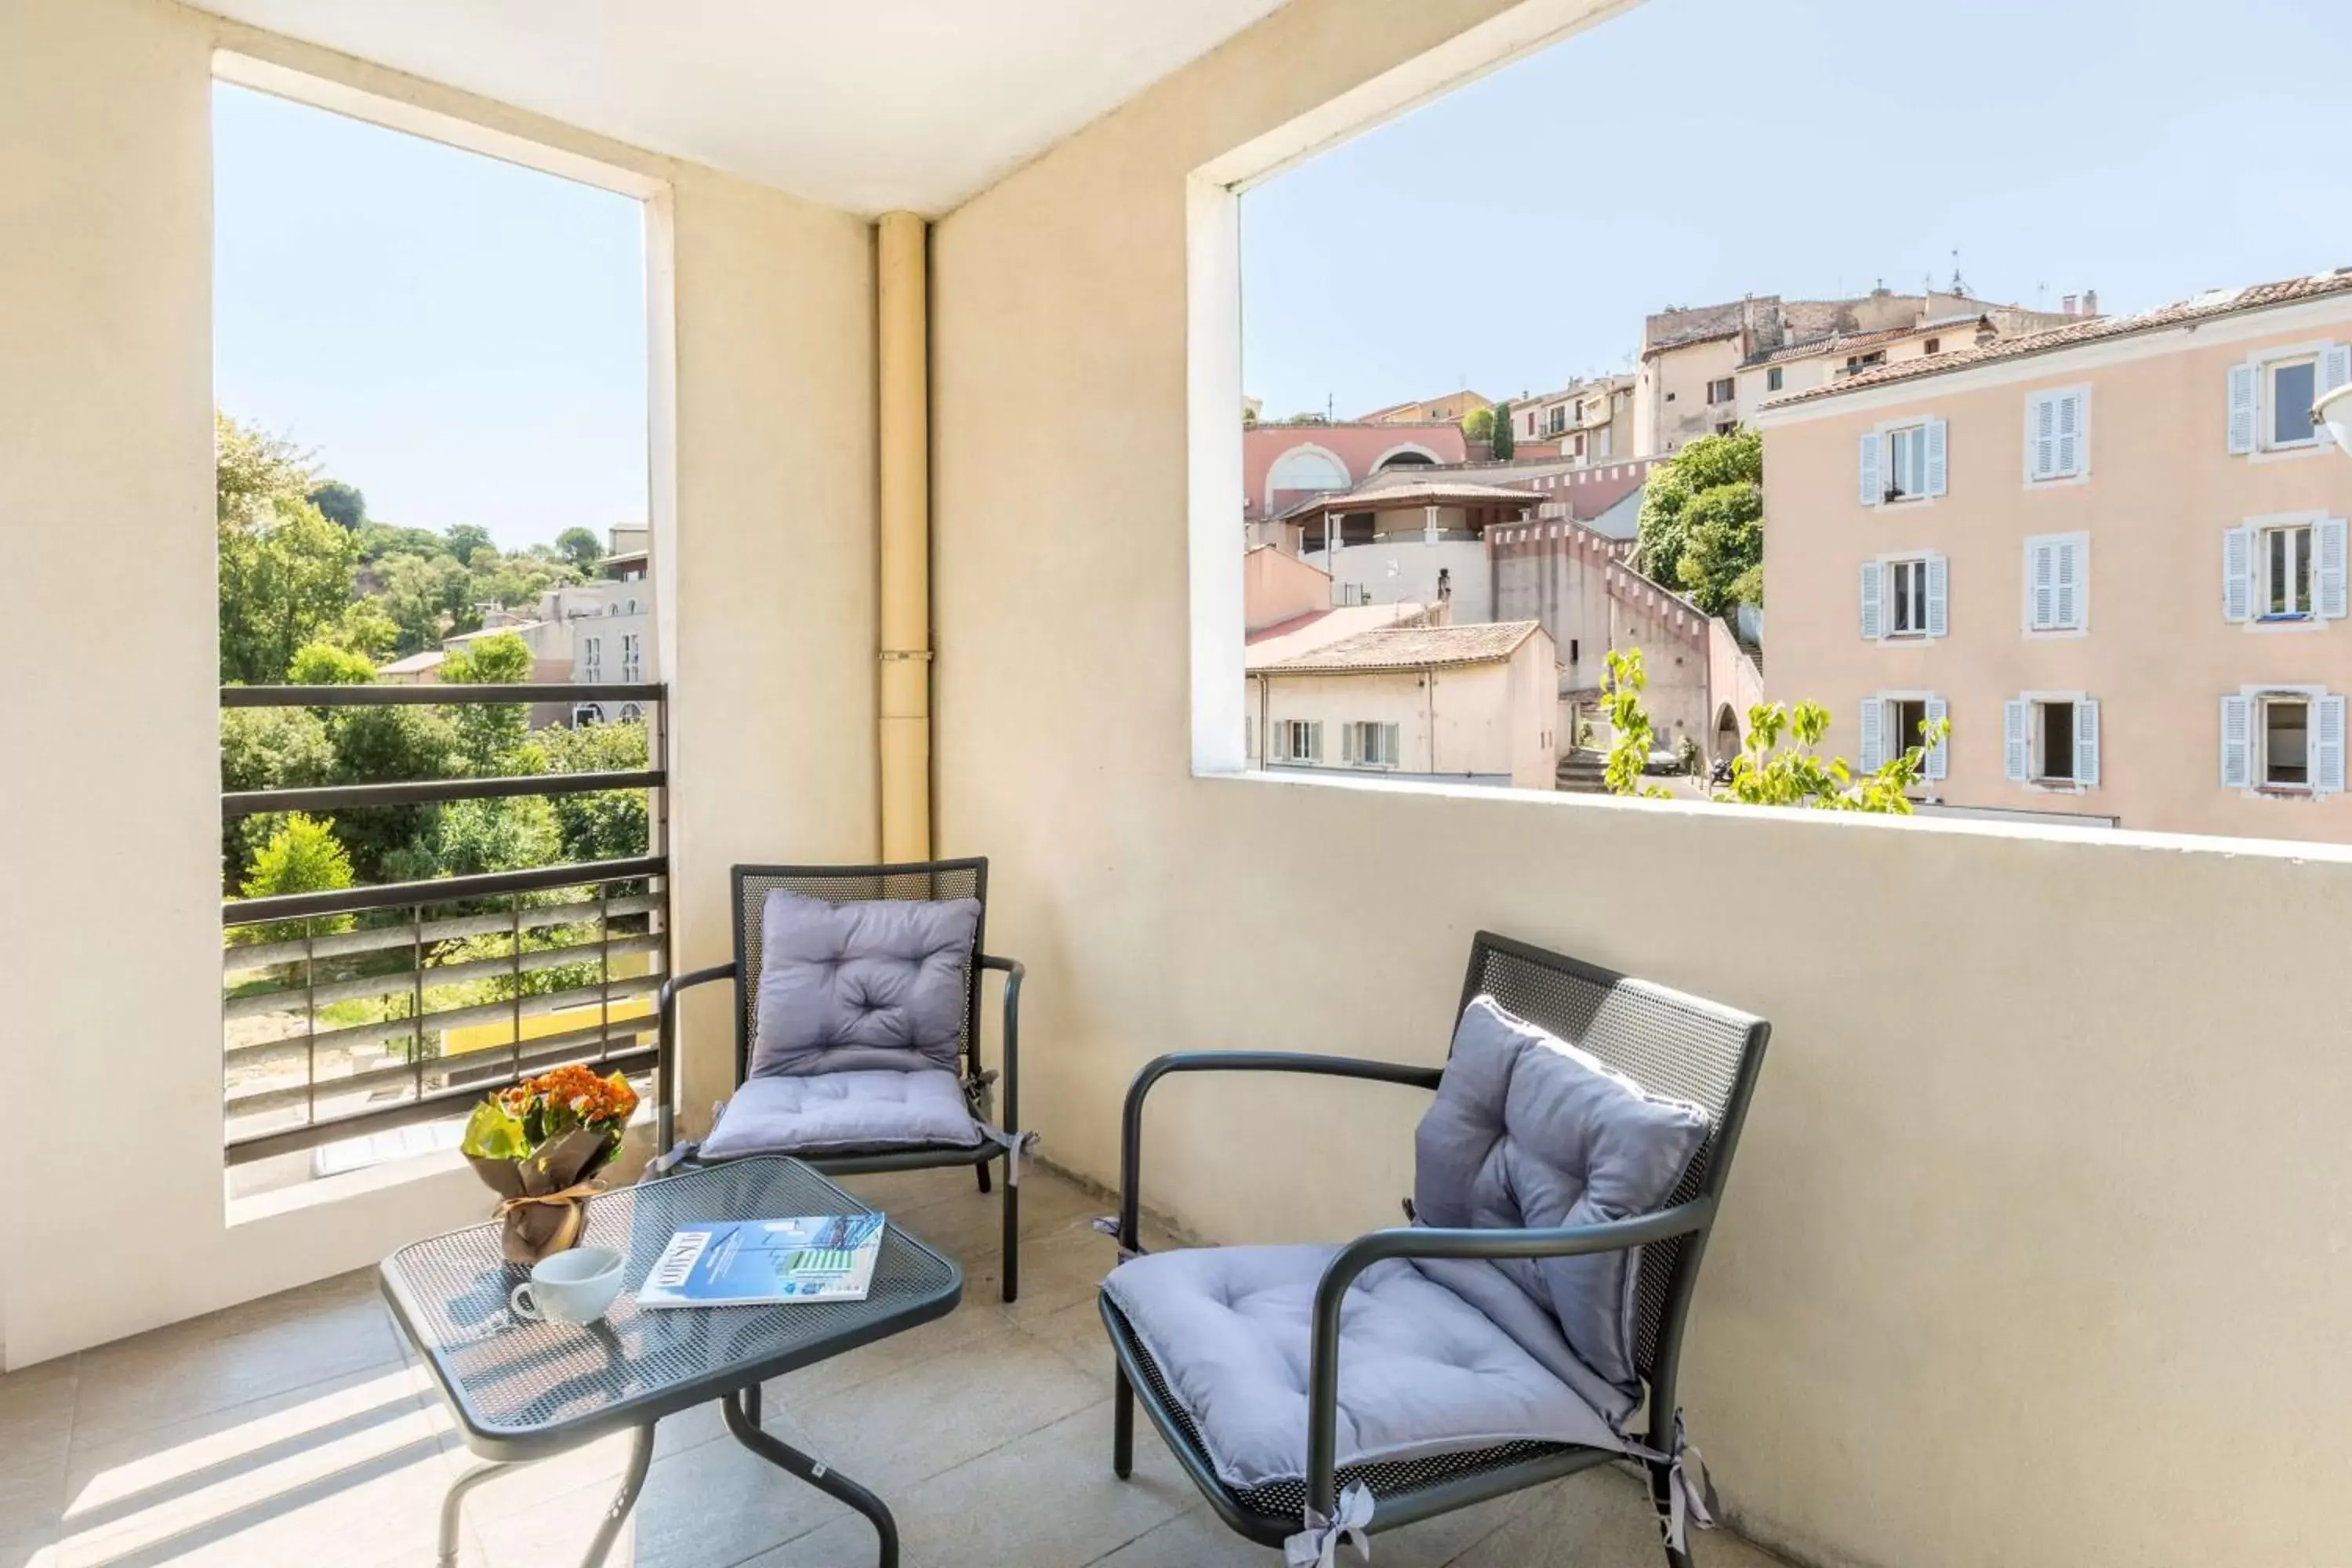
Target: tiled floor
294 1431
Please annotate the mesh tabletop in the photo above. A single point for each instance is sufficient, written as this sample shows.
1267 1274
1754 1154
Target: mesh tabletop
519 1385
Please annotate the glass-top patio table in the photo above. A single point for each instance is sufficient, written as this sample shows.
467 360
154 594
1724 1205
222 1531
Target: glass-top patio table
524 1390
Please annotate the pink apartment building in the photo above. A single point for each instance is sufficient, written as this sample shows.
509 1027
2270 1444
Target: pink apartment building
2112 554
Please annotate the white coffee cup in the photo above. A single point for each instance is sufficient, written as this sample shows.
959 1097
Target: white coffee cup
574 1287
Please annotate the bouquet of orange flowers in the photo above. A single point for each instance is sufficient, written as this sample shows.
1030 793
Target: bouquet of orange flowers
539 1145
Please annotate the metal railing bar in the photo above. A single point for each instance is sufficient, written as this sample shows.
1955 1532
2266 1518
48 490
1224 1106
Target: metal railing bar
438 891
417 791
490 1065
438 695
256 1003
384 939
250 1053
431 1108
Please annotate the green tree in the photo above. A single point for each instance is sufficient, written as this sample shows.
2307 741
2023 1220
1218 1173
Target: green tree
252 472
1500 430
340 504
327 664
1702 524
515 834
386 745
609 825
465 538
283 580
364 629
1478 425
426 598
581 547
1768 772
490 734
301 855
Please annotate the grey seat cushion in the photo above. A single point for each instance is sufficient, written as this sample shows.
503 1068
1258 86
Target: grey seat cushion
833 1111
1529 1130
1422 1372
860 985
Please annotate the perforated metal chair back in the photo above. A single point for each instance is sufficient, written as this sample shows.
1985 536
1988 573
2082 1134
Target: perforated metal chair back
926 880
1673 1045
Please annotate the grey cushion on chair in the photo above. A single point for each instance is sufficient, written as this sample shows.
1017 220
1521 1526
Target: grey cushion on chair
861 986
838 1111
1529 1130
1422 1372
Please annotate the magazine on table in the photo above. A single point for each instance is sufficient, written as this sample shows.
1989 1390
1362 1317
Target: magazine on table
762 1262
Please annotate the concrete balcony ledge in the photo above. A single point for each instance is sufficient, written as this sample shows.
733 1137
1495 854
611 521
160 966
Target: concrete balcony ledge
295 1429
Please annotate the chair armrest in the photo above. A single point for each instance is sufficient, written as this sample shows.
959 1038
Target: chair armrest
666 1001
1014 972
1429 1241
1131 1144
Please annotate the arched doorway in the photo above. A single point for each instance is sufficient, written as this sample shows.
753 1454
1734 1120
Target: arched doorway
1727 733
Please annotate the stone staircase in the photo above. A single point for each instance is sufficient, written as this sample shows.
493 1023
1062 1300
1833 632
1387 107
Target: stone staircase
1582 771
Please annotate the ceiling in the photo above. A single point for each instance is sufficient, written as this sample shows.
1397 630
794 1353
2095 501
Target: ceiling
871 105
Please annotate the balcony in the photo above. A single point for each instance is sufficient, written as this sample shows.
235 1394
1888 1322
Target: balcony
291 1428
350 1011
2039 1207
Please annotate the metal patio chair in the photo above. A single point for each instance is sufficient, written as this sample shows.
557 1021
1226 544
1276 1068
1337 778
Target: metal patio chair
1673 1046
925 881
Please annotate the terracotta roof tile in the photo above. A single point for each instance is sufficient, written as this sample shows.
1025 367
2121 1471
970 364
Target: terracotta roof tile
1411 647
2090 330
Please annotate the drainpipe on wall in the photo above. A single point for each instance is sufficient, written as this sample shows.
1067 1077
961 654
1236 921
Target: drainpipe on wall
903 441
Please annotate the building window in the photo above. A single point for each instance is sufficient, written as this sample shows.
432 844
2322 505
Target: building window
1903 461
1906 462
1719 391
1297 740
632 665
1371 745
1726 427
2271 399
1904 597
591 658
2052 740
2056 429
2057 583
1571 651
1893 723
585 714
2283 741
2286 575
1857 363
631 712
2287 571
1773 379
1932 346
2293 387
2286 742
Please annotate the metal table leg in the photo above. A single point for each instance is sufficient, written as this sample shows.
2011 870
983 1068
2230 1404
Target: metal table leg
633 1481
817 1473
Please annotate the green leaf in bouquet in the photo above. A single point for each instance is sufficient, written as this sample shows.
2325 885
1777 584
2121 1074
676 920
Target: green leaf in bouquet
493 1133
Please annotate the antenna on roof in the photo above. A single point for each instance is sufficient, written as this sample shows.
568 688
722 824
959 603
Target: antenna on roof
1958 287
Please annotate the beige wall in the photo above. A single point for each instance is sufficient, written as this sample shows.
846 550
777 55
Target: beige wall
1278 586
1670 405
110 955
2158 655
1493 724
2027 1260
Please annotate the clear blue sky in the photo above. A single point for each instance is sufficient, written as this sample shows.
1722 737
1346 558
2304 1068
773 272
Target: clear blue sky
462 339
1512 235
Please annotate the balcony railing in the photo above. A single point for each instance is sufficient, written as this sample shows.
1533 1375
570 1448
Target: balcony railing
356 1010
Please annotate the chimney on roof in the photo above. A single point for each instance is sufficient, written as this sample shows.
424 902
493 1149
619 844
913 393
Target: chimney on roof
1986 331
2090 302
2066 307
